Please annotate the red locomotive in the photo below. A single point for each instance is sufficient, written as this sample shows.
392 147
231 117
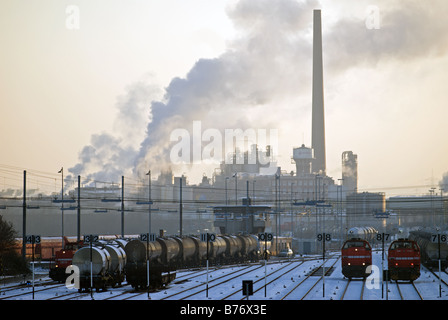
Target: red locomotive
404 260
63 258
356 257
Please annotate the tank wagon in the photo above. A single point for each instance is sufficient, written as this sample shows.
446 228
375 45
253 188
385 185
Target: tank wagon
101 266
365 233
429 250
114 261
168 254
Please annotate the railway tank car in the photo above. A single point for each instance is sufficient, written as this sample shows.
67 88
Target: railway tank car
98 269
117 263
168 254
429 250
404 260
365 233
250 249
108 265
136 266
116 260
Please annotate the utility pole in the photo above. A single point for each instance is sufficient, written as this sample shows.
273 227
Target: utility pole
149 201
24 217
122 206
62 205
180 207
79 210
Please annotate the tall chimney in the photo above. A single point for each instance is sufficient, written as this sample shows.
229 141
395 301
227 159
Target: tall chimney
318 121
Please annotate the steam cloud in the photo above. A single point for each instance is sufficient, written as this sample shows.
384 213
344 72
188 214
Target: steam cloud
256 80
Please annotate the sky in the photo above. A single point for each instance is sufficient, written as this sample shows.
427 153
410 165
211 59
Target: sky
98 87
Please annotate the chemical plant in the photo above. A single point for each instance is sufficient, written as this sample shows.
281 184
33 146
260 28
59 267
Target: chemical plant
238 203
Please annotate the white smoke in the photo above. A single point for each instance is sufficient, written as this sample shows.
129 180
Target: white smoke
257 81
109 156
443 184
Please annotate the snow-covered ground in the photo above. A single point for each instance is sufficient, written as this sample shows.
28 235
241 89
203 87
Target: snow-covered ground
286 280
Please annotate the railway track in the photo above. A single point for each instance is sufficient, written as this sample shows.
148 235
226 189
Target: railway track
408 294
37 288
262 279
308 277
355 285
187 278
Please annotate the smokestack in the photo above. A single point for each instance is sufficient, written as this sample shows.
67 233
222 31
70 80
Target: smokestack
318 121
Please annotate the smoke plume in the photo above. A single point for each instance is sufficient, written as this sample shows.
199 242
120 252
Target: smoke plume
257 80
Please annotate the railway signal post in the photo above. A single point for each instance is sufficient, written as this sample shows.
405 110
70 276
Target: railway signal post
439 238
382 237
208 237
91 238
265 237
147 237
323 237
33 239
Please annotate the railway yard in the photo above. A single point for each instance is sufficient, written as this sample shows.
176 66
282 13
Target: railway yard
288 279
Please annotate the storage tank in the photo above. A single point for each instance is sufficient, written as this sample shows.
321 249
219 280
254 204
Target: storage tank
303 157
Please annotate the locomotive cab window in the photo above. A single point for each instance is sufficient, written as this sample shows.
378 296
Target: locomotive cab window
402 245
356 244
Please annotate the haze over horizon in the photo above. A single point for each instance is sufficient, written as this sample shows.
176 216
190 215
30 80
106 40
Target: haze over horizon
98 87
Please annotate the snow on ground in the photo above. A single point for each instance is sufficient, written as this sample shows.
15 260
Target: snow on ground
283 278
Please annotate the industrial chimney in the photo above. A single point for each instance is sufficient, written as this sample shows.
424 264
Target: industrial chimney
318 120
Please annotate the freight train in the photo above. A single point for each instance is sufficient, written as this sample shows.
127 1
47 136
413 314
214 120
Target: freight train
166 255
111 262
429 248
